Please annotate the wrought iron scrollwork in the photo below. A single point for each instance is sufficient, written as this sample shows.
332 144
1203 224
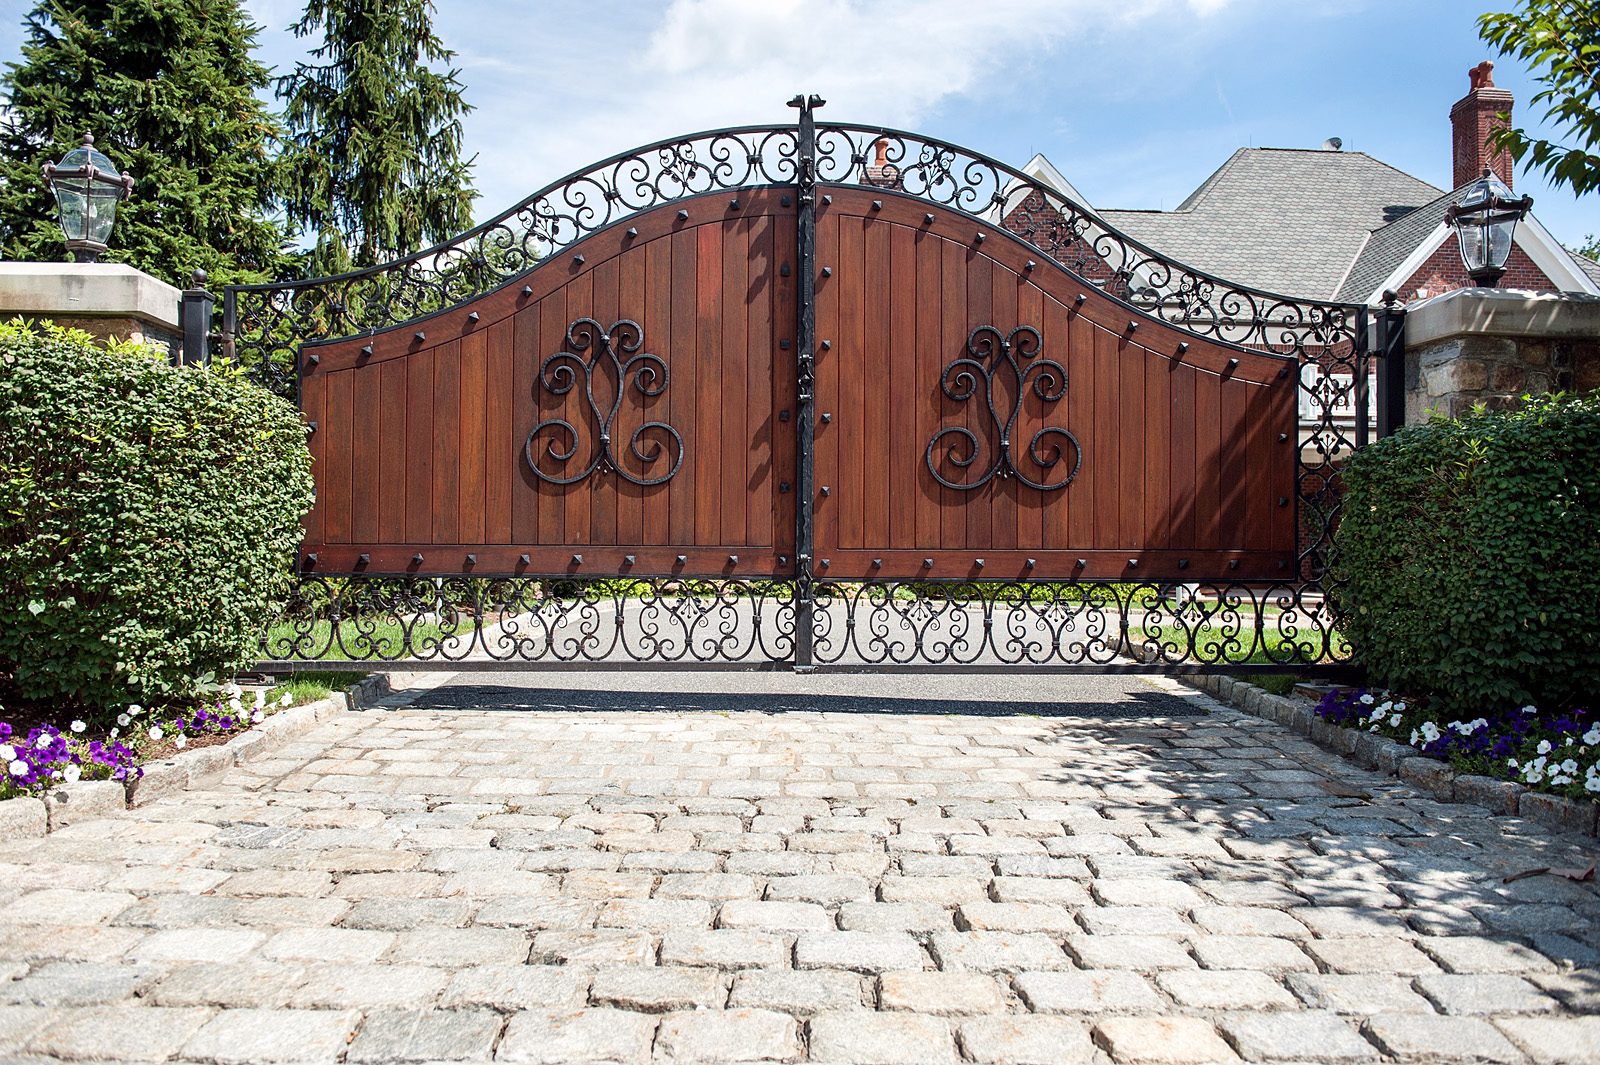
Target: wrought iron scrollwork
559 375
987 354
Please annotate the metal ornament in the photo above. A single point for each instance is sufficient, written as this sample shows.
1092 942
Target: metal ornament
987 354
559 373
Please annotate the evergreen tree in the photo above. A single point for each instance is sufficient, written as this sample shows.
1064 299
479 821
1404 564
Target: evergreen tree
373 167
167 87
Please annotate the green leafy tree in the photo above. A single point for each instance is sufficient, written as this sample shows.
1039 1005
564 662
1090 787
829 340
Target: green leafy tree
373 166
168 88
1589 249
1559 40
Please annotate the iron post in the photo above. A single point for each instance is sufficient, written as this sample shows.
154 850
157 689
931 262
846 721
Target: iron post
194 319
1391 345
806 342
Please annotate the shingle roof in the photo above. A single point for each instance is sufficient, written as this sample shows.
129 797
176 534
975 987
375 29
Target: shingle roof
1286 220
1389 246
1588 266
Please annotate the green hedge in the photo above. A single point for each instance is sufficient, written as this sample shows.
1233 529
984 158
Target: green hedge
1472 553
147 517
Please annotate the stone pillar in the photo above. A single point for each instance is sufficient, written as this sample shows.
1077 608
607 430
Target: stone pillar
104 299
1494 346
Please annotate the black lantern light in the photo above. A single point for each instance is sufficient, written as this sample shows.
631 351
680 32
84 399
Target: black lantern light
87 188
1486 220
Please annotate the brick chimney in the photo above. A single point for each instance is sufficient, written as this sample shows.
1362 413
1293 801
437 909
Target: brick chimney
1471 119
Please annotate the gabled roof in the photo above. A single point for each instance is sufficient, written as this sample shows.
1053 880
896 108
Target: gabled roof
1390 246
1287 220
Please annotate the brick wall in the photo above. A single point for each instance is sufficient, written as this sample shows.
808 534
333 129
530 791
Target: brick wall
1444 272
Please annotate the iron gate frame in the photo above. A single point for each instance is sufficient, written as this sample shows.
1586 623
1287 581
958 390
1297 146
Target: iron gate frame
268 329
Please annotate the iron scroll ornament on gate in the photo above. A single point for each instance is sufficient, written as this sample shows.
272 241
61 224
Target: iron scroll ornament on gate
559 373
987 353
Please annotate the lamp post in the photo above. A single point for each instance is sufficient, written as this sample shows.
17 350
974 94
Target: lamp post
1486 220
87 188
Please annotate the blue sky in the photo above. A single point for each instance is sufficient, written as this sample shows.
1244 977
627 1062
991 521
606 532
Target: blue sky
1136 101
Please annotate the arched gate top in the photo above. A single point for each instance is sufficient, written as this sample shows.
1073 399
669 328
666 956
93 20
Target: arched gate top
268 323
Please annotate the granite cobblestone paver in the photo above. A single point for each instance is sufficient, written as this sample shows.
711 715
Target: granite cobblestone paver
1170 882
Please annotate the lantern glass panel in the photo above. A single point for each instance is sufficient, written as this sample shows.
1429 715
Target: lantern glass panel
88 209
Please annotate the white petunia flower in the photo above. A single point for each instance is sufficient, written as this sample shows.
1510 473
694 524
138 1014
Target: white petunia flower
235 705
230 689
135 710
72 773
1367 699
124 720
1592 737
258 716
7 752
77 726
19 768
114 733
43 741
180 741
287 700
1533 774
261 698
1430 731
155 732
1569 766
1530 709
1394 722
1544 747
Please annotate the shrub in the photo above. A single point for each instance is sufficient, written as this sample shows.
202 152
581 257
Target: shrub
147 517
1472 554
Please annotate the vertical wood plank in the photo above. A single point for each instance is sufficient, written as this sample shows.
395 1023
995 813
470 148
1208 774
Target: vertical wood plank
825 510
633 302
1107 441
848 406
447 443
394 438
953 345
708 410
529 499
1235 472
419 447
338 458
474 435
1182 455
1131 358
1002 493
577 501
684 397
733 438
904 482
922 389
1208 460
878 464
1083 370
552 337
1056 507
1035 415
762 276
1260 503
1158 452
658 313
502 445
980 311
603 489
1285 423
365 431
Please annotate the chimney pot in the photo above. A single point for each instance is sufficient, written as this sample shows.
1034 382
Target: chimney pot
1472 119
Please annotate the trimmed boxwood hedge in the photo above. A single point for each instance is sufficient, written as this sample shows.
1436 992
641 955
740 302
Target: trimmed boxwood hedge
1471 548
148 516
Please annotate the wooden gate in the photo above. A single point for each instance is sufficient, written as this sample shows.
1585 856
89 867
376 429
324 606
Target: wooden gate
744 398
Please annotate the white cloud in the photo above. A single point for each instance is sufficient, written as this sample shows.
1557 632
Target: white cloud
601 80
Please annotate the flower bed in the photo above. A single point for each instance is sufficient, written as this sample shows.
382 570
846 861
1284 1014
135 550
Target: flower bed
49 756
1559 755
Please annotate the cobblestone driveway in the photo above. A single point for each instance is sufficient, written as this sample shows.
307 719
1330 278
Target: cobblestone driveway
1150 883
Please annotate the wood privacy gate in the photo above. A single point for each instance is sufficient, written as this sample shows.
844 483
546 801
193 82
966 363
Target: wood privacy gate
809 396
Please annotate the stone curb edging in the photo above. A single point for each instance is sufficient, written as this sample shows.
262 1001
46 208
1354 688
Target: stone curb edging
1431 775
27 817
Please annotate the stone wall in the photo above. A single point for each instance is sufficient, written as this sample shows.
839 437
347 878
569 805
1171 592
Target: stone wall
1495 346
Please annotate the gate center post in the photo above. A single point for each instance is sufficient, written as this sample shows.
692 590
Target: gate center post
806 343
